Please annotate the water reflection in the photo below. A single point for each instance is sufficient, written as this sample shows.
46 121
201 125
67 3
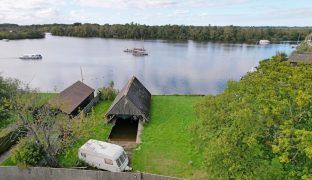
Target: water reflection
171 67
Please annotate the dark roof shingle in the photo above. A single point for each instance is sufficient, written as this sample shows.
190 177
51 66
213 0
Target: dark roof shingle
139 97
70 98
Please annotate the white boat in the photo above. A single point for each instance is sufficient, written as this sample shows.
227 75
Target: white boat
139 53
31 56
263 42
6 40
134 50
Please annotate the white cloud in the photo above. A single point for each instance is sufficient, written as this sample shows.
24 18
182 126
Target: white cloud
34 11
141 4
122 4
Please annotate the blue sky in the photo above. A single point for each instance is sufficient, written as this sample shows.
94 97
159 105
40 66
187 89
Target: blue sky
159 12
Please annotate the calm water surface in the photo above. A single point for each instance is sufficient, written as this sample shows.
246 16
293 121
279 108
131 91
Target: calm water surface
170 68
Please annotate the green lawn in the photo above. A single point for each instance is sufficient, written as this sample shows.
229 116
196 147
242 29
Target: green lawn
94 128
166 147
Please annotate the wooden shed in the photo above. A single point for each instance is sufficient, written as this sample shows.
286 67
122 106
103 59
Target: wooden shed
74 98
129 111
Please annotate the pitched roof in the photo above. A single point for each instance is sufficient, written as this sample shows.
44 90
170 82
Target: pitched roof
303 57
133 99
70 98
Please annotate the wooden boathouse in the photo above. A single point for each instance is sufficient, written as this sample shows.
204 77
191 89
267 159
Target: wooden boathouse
129 111
73 99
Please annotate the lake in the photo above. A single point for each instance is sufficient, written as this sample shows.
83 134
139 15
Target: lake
170 68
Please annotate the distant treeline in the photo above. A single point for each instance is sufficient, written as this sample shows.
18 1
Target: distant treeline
233 34
13 31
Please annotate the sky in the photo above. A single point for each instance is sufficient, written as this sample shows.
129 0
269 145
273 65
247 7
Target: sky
159 12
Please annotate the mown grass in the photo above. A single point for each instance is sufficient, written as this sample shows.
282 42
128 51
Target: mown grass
166 147
8 162
94 127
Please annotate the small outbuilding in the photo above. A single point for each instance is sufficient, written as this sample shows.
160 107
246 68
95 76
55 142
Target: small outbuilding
128 112
74 98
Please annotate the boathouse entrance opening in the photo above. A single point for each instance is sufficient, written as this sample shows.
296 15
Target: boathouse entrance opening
124 129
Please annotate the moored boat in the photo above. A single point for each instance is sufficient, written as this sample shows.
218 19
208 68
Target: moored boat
134 50
139 53
31 56
264 42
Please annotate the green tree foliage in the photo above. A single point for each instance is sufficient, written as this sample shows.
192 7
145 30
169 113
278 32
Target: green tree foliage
9 31
234 34
8 89
108 93
261 126
27 153
50 130
303 48
180 32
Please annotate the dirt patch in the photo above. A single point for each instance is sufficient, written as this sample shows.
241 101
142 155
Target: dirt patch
124 130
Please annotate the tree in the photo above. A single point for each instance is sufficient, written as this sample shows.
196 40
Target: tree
8 89
108 93
48 129
261 126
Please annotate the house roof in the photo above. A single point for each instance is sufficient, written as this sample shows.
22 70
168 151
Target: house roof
133 99
303 57
70 98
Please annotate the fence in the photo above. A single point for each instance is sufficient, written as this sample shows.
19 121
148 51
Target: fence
40 173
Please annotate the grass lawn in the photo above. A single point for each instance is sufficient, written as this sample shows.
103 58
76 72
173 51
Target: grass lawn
166 147
94 128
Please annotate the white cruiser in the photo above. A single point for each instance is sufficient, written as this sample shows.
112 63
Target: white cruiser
31 56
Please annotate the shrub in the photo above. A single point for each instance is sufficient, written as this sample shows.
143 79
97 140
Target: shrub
261 126
108 93
26 153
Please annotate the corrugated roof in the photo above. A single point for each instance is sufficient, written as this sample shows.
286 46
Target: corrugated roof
133 99
70 98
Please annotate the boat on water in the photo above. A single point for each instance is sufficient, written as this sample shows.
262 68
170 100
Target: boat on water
134 50
31 56
137 51
264 42
6 40
140 53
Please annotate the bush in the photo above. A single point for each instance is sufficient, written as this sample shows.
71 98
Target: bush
108 93
26 153
261 126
